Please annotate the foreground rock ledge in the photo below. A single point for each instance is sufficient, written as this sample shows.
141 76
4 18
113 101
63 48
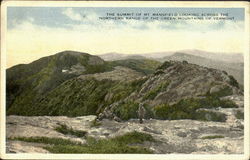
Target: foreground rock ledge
175 136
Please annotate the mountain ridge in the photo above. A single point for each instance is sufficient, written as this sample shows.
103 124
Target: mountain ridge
58 89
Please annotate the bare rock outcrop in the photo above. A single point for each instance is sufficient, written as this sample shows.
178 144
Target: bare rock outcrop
175 136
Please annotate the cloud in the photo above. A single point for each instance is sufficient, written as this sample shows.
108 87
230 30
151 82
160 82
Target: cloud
82 16
72 15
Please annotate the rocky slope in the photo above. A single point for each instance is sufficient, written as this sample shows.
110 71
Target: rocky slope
183 80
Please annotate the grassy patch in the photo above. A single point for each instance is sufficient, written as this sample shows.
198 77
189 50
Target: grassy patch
215 102
134 137
46 140
187 109
209 116
226 91
98 147
127 110
121 144
166 111
184 109
155 91
212 137
138 83
239 115
121 90
62 128
233 81
146 66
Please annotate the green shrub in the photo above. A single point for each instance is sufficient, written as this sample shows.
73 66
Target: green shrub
239 115
127 110
100 147
155 91
212 137
184 62
162 111
171 112
121 90
225 72
209 116
187 109
133 137
241 87
227 104
233 81
226 91
151 94
149 112
62 128
138 82
214 102
188 105
46 140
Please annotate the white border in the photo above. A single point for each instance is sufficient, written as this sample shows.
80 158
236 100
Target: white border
246 84
245 5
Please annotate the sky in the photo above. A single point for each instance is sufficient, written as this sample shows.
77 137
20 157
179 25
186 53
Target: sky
35 32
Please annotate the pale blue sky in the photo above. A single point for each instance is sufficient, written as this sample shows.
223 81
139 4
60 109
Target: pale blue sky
54 17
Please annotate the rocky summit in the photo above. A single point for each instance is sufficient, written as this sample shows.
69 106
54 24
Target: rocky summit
172 136
71 101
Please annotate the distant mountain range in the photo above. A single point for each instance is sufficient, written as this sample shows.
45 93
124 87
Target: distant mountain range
233 68
221 56
227 57
231 63
113 56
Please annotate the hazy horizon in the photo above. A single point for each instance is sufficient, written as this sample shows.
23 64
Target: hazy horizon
186 51
35 32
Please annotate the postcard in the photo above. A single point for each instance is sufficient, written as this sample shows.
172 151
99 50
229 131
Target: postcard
124 80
